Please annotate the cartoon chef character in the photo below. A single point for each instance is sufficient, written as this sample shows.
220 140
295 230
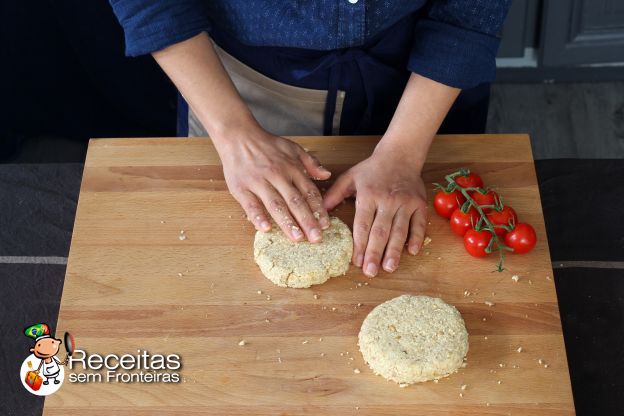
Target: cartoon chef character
45 348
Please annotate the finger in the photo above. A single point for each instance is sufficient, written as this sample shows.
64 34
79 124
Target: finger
313 166
341 189
418 225
396 242
299 208
254 210
277 207
362 222
314 200
377 240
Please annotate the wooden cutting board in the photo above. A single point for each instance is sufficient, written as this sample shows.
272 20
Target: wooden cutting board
123 293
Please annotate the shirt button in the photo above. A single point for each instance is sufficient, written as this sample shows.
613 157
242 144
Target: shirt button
353 1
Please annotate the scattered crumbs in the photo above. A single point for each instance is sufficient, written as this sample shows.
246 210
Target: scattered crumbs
439 258
485 337
484 319
324 307
519 349
359 284
268 297
182 236
322 354
493 293
259 292
267 321
342 354
162 222
545 365
356 371
403 385
464 364
357 407
426 253
279 360
347 352
548 278
540 361
359 305
435 380
333 309
179 274
499 382
464 386
489 303
515 278
242 342
427 240
305 342
365 283
305 149
229 216
530 282
526 315
321 339
466 293
316 296
487 404
501 365
461 395
350 358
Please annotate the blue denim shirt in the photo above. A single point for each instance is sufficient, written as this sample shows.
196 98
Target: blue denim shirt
454 41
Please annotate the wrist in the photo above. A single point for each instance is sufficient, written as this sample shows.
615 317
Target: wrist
406 151
227 132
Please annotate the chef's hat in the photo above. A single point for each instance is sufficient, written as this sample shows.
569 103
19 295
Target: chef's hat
38 331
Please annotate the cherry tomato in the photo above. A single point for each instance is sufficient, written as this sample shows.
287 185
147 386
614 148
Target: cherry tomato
502 217
472 180
447 202
522 238
488 198
475 242
463 221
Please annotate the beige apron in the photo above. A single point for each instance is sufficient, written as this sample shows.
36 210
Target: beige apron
280 108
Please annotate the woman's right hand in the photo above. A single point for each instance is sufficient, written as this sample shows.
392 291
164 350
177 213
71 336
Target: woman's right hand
271 174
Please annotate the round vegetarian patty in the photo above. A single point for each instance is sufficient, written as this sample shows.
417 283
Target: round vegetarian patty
410 339
304 264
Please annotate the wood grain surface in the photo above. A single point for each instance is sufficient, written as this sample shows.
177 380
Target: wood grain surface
123 292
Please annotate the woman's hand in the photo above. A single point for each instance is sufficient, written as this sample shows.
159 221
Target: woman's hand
390 209
267 173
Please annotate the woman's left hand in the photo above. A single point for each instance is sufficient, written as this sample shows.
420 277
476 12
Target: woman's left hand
390 210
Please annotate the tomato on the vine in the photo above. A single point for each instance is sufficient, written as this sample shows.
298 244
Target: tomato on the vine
505 216
472 180
463 221
475 242
487 198
447 202
522 238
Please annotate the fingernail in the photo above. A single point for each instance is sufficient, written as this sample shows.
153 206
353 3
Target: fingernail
413 250
315 235
296 232
371 270
390 265
265 226
359 260
324 222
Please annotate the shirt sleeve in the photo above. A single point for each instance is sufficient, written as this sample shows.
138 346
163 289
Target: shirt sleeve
456 41
153 25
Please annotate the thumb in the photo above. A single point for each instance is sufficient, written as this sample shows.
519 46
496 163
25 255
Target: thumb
341 189
313 166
